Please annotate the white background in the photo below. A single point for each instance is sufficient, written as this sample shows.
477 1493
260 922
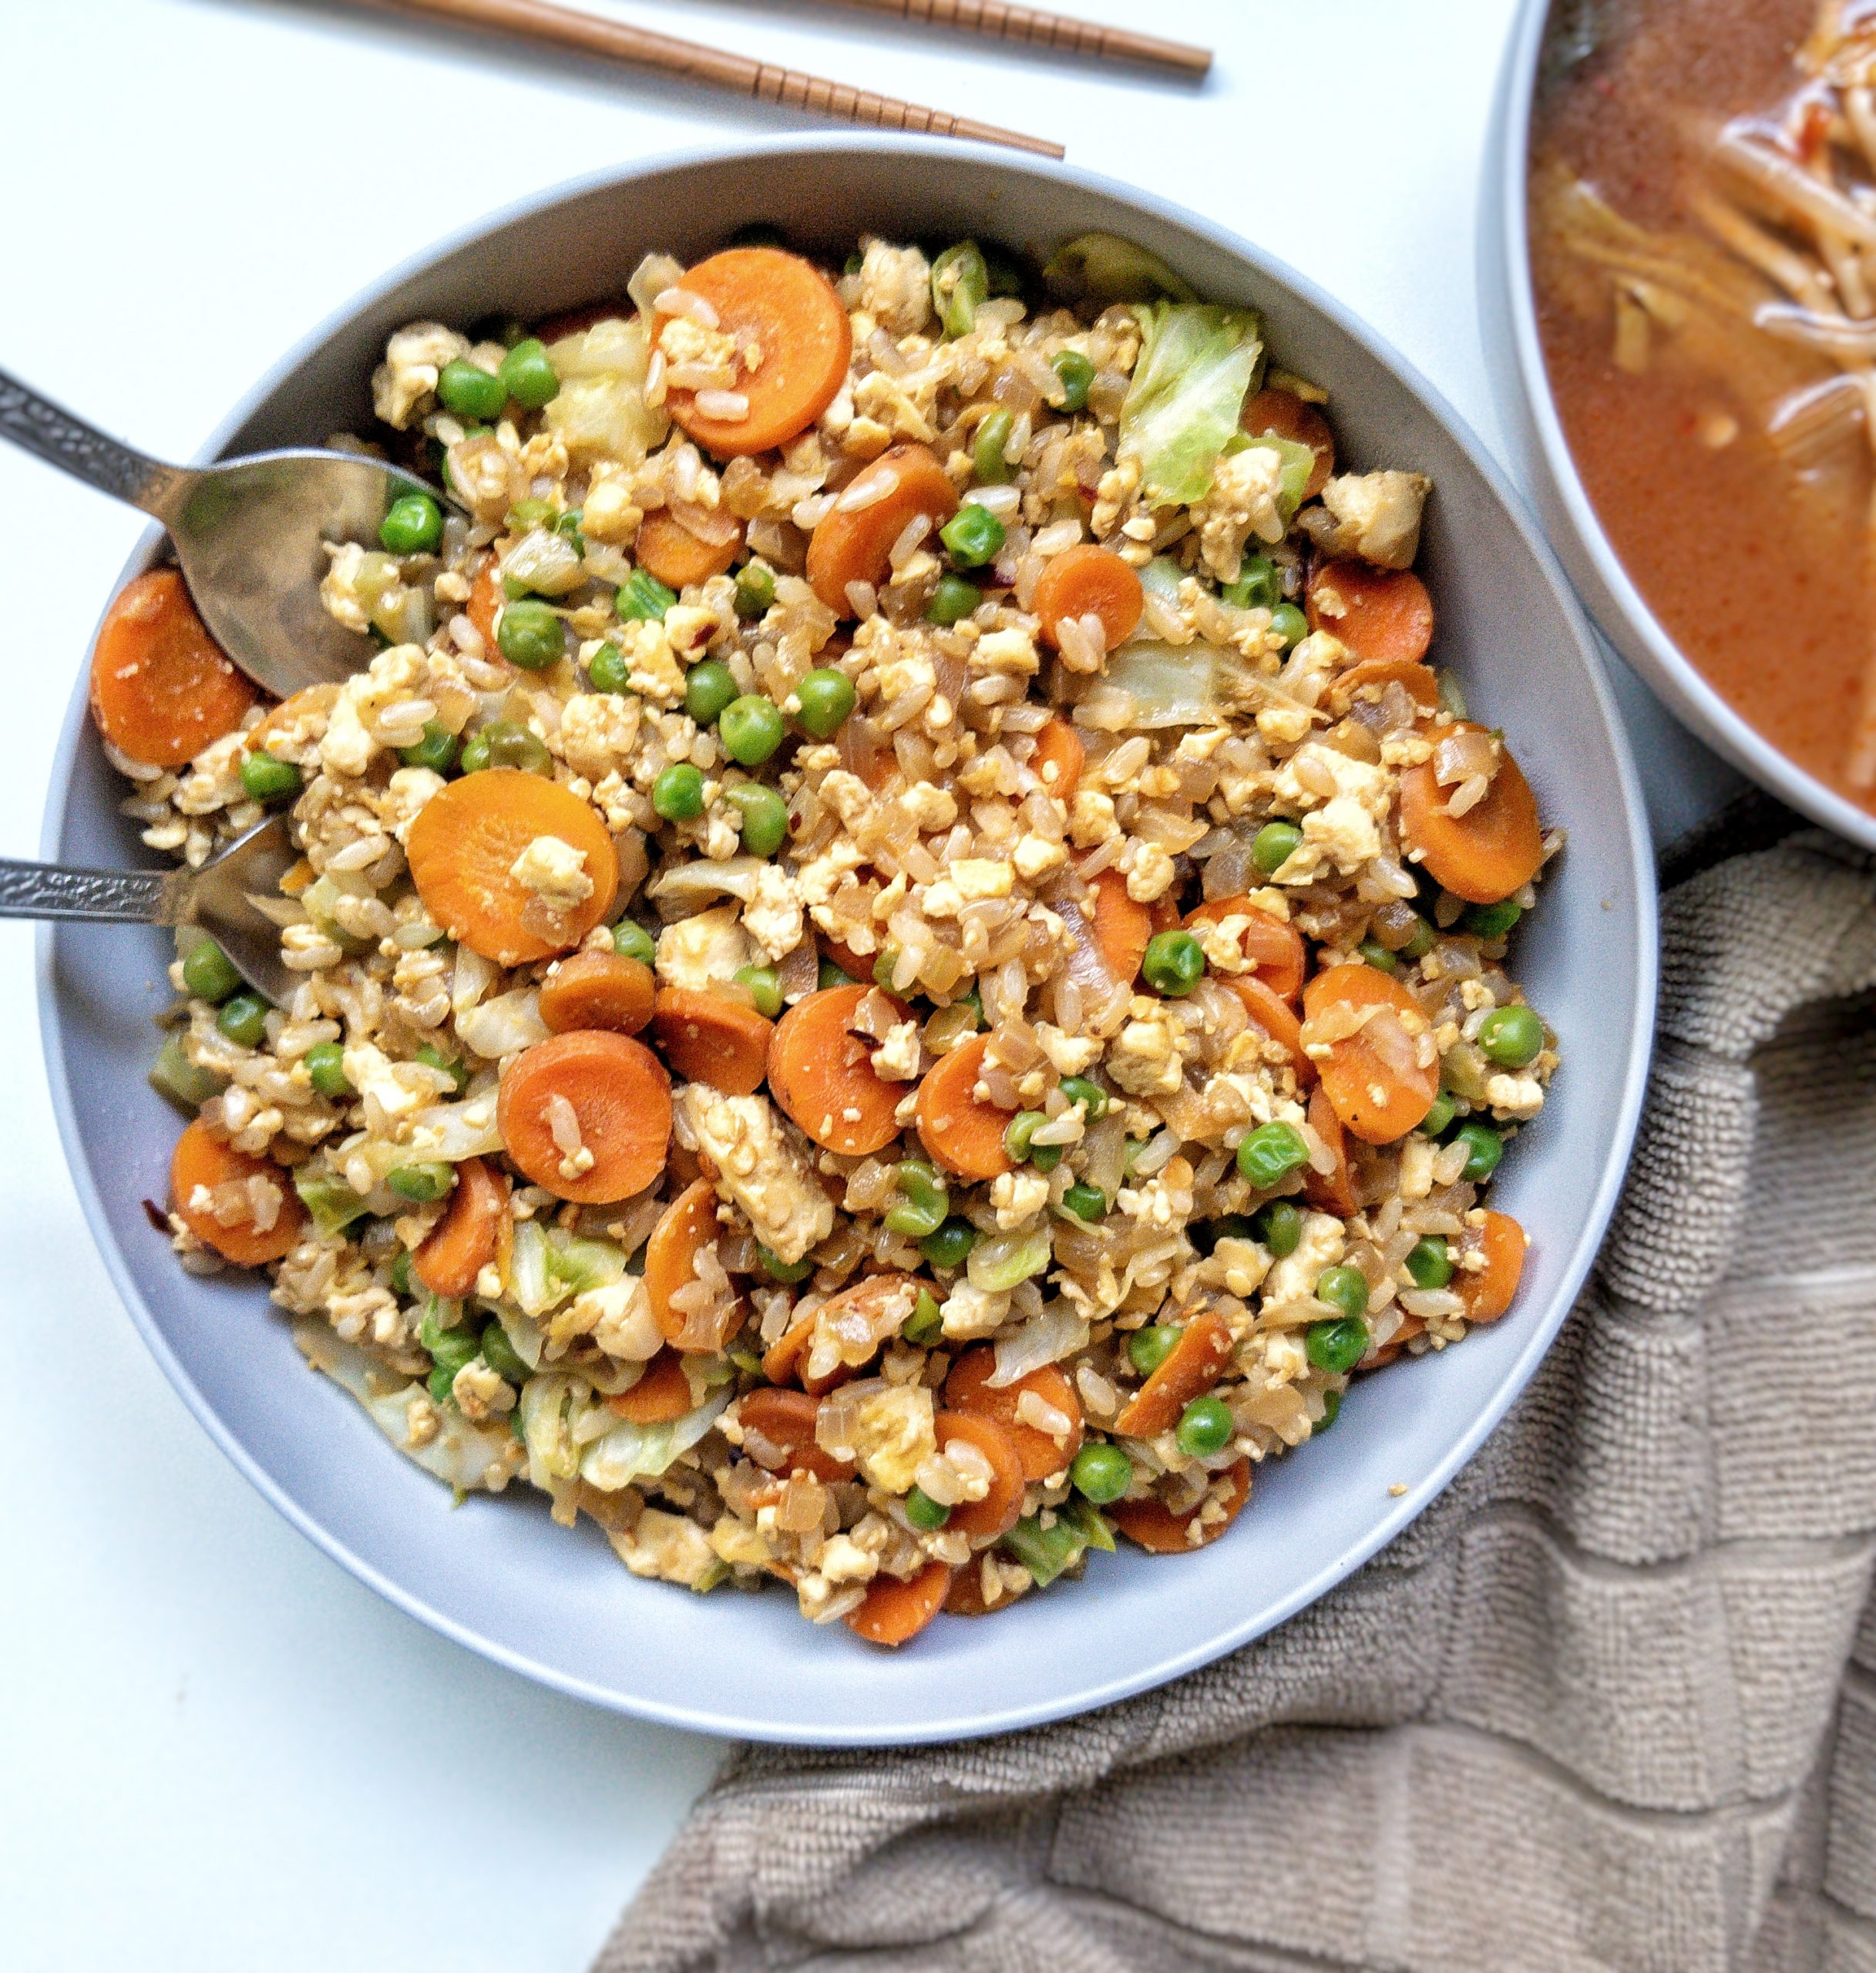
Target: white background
216 1750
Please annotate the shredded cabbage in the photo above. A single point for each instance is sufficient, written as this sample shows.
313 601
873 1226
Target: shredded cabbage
548 1264
1058 1332
1195 684
630 1452
503 1026
1188 395
601 410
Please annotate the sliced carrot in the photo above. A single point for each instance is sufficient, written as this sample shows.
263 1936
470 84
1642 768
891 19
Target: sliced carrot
1278 1020
708 1038
1488 1294
619 1097
667 549
855 965
1160 1531
1410 1327
1333 1191
821 1073
964 1598
598 989
963 1134
1274 949
853 542
890 1293
464 845
786 1419
662 1394
968 1388
782 1356
162 688
1087 581
1059 759
468 1237
1376 613
793 343
1495 848
1196 1361
203 1163
992 1517
484 606
686 1226
1122 927
1379 1086
1276 414
1372 676
895 1610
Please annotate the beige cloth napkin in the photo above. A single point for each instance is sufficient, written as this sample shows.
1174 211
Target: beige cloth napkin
1610 1703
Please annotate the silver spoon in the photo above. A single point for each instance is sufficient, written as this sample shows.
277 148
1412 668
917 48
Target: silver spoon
250 533
221 897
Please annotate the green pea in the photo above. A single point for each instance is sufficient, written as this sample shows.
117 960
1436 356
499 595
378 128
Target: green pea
607 670
1101 1474
451 1348
1270 1153
1338 1347
708 688
1257 586
502 744
951 1246
1332 1409
527 514
412 525
1077 373
751 729
1377 955
1344 1288
677 794
1090 1095
208 973
953 600
1512 1036
923 1200
452 1066
269 780
828 974
474 755
972 536
1492 921
925 1326
1085 1202
923 1512
501 1356
1148 1347
1205 1234
400 1273
788 1272
568 525
641 598
1429 1263
765 818
435 750
1022 1127
826 698
530 635
765 988
1289 623
1274 844
1278 1226
471 391
755 589
1419 941
1204 1426
960 285
1440 1115
421 1184
325 1069
632 941
528 376
1175 964
243 1020
1483 1148
986 455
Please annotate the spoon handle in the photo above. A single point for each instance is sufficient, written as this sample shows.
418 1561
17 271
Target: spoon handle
38 426
56 890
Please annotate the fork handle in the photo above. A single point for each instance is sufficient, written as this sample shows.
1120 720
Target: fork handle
38 426
57 890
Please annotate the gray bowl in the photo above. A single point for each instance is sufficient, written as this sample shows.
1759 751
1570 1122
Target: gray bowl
1514 356
495 1573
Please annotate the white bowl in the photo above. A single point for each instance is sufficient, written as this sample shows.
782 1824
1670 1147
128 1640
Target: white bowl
555 1605
1514 355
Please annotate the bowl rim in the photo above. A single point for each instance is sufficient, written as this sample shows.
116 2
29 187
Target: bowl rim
1182 1657
1637 630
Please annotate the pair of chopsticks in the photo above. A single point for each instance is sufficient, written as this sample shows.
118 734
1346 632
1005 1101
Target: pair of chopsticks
540 21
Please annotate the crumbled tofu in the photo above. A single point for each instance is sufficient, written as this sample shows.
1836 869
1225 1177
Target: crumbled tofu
930 807
1036 855
771 914
1242 501
1516 1096
978 877
1373 514
1293 1278
1145 1058
703 951
970 1311
898 1057
482 1393
668 1548
761 1170
893 1435
617 1315
554 871
413 359
1018 1196
895 287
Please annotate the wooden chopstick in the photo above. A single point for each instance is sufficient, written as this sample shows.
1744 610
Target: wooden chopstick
1057 33
590 33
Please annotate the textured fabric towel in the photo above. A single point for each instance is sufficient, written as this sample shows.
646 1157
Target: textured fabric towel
1610 1703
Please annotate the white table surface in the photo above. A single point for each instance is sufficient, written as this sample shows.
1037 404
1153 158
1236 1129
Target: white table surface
219 1750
